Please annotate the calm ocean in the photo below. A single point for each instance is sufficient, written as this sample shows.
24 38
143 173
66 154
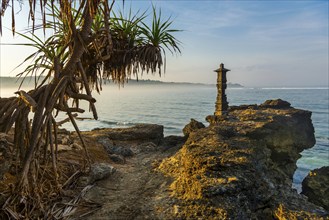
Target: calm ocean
173 105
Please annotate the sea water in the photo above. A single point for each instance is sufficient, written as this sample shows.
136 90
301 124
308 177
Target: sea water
173 105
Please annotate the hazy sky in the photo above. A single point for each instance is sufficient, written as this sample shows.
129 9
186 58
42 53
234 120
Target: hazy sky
264 43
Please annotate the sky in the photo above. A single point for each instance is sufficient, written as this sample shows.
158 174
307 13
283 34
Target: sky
263 43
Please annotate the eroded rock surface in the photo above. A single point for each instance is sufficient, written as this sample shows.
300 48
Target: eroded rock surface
194 125
241 166
316 187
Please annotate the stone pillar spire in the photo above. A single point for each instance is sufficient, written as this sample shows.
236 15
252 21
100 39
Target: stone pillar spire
221 102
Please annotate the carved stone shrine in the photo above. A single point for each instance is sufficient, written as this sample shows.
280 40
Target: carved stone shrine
221 102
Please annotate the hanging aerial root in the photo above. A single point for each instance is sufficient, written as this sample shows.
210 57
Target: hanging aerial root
79 134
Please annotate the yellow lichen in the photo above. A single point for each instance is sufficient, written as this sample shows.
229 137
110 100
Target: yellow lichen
198 211
282 213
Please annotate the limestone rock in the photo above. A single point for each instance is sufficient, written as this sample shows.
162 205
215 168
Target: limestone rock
286 134
242 166
242 107
98 171
192 126
316 187
101 171
276 103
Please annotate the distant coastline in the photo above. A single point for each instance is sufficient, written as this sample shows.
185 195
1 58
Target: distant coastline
29 81
10 82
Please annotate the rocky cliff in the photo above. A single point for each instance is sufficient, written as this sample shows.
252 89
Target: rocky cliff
241 166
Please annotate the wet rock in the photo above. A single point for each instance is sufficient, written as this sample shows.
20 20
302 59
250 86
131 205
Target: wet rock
316 187
192 126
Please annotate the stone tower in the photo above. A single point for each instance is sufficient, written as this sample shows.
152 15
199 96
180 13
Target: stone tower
221 102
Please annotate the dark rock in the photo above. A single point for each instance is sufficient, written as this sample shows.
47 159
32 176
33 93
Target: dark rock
214 119
276 104
141 132
172 141
226 131
117 158
147 147
112 148
242 107
192 126
316 187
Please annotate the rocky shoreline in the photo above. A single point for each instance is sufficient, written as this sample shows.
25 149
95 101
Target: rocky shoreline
239 167
242 165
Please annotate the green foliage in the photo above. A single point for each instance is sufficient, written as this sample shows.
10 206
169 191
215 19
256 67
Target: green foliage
135 47
160 33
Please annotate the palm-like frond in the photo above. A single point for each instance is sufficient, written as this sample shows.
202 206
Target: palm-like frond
41 59
139 47
157 37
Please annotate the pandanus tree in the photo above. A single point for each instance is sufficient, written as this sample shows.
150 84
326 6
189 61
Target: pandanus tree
89 43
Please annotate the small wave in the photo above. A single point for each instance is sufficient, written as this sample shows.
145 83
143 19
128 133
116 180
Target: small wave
238 88
125 123
171 128
112 123
323 146
320 112
322 138
108 122
293 88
